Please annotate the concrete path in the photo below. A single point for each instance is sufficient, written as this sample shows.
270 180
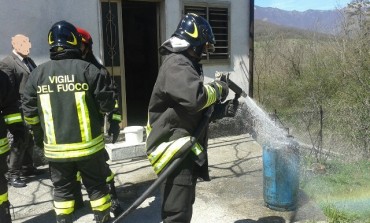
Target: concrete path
235 194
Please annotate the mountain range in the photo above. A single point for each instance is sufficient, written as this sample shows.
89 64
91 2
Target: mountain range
323 21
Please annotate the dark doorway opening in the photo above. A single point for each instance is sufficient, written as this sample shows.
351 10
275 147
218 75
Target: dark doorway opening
141 57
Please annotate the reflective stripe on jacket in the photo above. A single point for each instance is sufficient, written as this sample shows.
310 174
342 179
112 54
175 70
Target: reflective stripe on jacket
13 118
74 150
168 151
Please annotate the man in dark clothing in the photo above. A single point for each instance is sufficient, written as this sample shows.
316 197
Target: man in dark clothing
18 67
64 100
114 118
177 105
10 120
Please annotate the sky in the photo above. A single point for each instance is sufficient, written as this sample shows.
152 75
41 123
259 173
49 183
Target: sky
302 5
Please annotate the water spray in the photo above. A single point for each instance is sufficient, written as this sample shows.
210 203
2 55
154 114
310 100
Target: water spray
280 161
280 155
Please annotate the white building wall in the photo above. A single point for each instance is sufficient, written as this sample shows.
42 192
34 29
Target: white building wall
34 18
173 13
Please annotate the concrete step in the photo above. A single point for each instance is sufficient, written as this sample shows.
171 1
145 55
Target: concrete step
123 150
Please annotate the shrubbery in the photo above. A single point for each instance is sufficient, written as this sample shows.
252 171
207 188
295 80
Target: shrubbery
298 77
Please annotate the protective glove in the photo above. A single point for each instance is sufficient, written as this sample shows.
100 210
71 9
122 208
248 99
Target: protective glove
222 90
231 107
226 109
114 130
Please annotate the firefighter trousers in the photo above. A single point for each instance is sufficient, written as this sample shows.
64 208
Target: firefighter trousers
178 193
4 202
93 173
3 170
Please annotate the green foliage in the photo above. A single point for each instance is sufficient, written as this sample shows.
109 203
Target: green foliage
336 216
304 72
341 178
346 182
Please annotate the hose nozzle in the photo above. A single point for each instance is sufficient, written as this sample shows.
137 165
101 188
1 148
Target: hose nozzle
234 87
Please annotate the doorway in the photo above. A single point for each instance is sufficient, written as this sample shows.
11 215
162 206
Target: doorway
140 40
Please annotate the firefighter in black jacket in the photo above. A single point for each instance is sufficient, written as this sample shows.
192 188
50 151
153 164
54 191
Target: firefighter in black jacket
10 119
114 117
176 107
64 100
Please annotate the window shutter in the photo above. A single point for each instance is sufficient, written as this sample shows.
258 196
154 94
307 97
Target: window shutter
218 18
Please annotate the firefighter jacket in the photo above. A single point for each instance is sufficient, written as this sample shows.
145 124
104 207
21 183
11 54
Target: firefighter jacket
68 98
178 101
10 116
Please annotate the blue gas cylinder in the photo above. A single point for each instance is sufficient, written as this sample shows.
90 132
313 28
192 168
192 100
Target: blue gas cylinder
281 175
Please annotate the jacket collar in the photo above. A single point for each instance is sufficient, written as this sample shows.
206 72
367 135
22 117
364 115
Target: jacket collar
19 60
17 55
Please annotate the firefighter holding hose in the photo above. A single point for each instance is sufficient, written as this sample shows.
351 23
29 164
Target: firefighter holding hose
177 104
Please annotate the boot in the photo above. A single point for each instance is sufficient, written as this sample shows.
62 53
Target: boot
5 212
116 208
65 218
102 216
17 182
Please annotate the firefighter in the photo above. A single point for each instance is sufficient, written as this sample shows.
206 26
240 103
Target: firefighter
64 101
10 120
177 105
114 117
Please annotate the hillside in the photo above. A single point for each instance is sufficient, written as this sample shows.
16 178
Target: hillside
325 21
266 30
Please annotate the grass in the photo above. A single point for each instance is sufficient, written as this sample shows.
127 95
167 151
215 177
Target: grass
336 216
343 191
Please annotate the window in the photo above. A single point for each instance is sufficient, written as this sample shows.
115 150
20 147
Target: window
218 18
